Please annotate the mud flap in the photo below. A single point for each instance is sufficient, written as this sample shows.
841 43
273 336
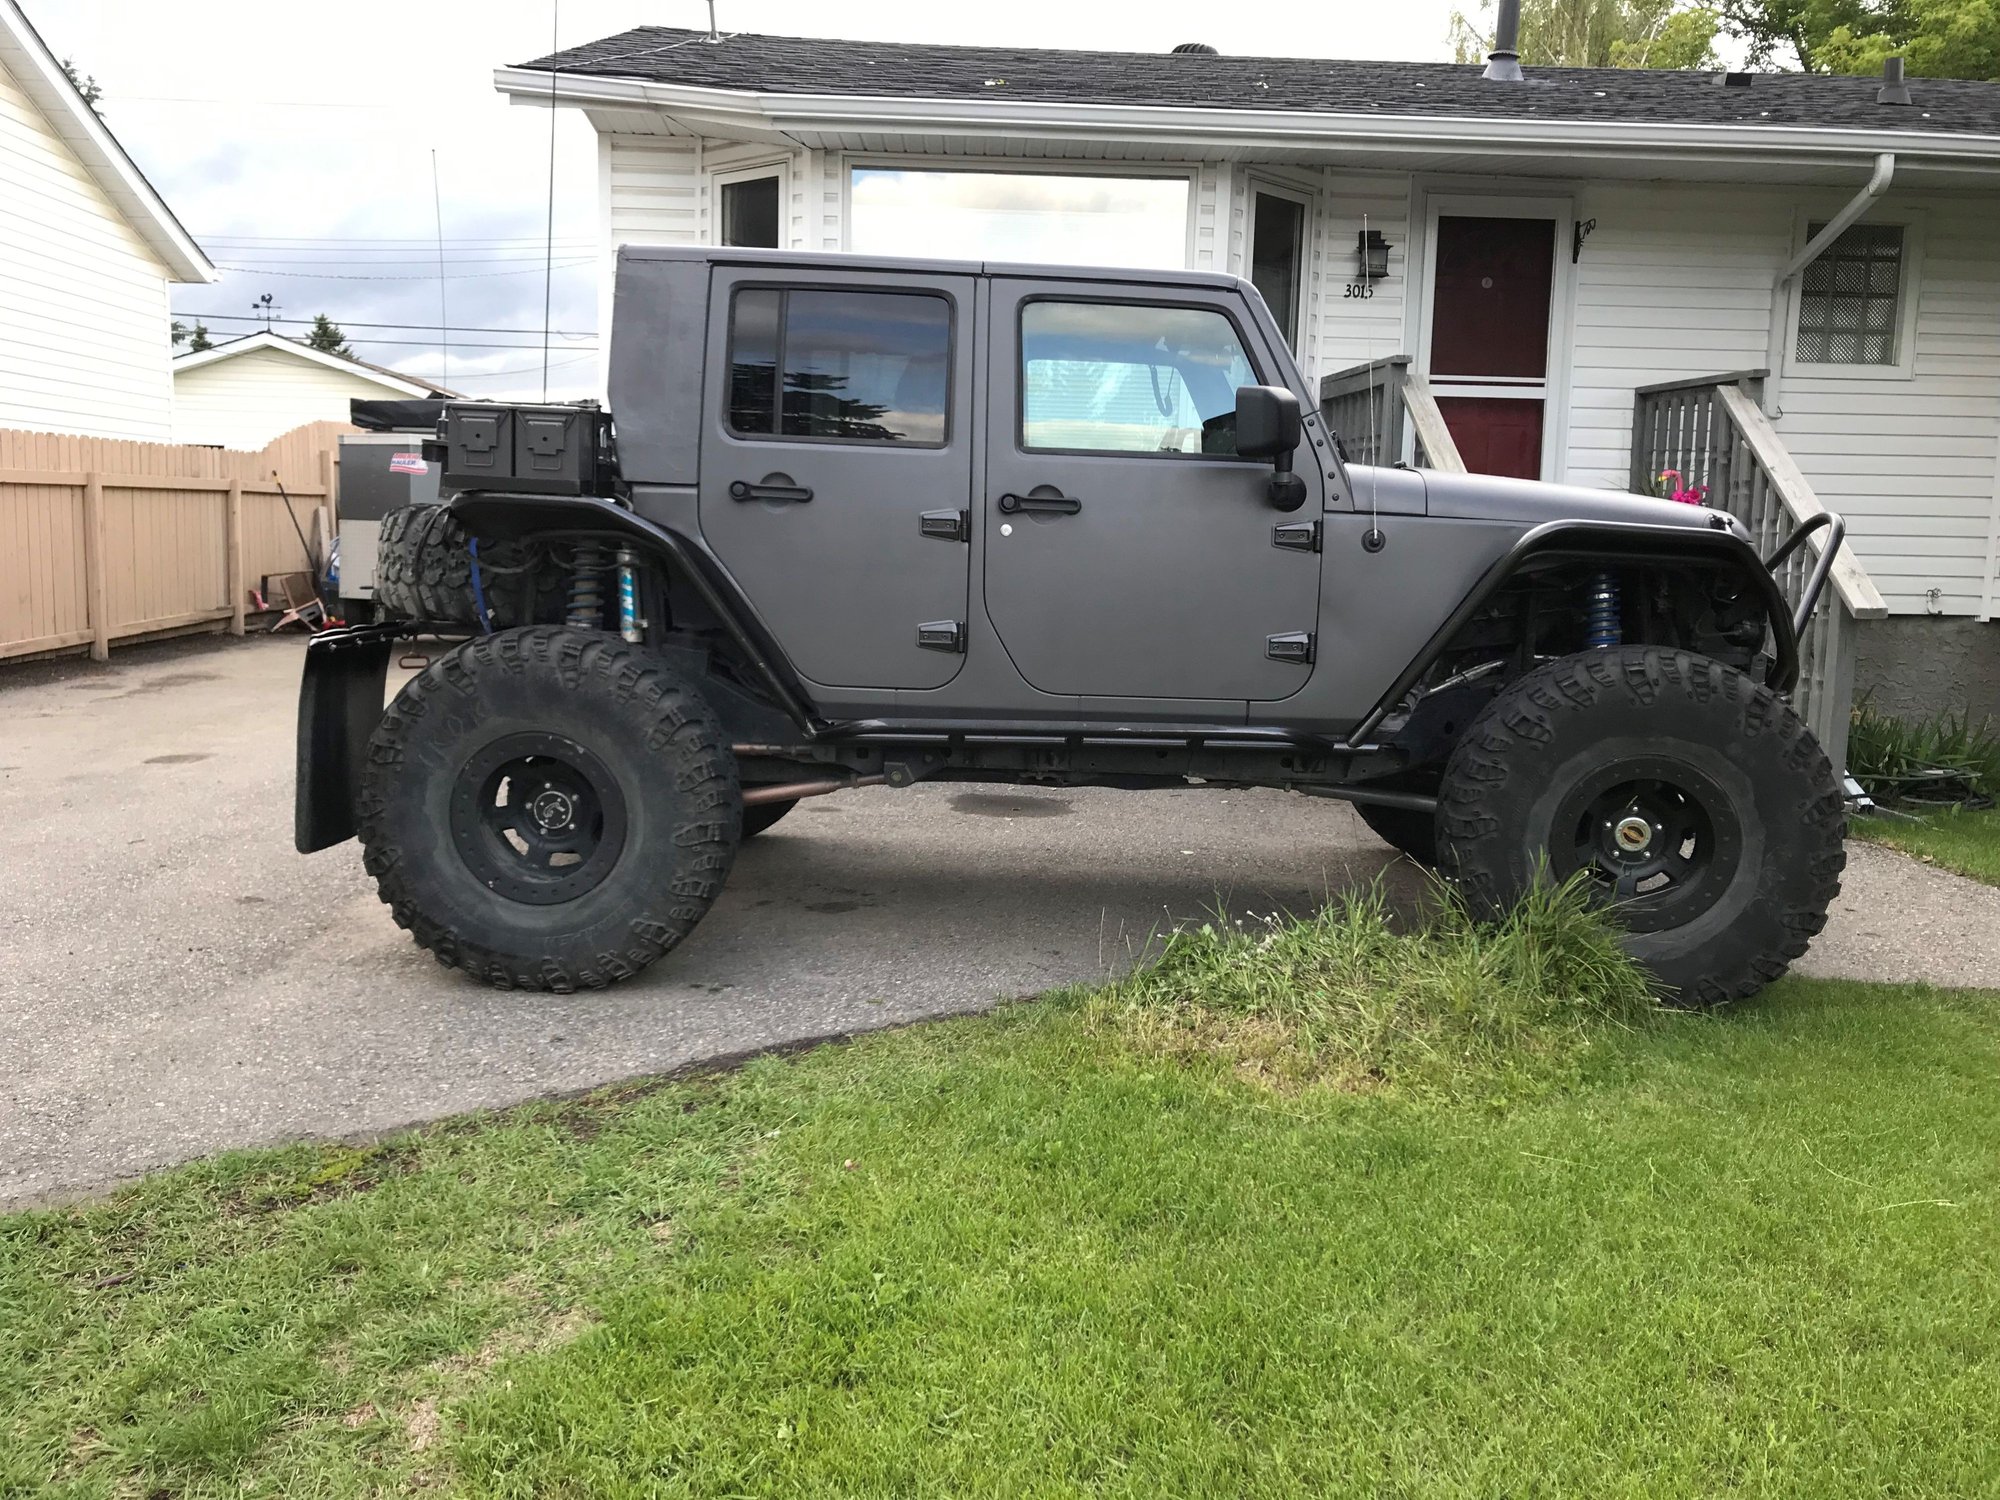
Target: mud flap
340 703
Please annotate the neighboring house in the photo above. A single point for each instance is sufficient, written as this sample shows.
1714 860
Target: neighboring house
250 390
1536 250
87 250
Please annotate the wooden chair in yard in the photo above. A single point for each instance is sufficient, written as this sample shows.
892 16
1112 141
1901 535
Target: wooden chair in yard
301 604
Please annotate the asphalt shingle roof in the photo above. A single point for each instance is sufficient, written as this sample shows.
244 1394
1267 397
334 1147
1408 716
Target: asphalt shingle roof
819 65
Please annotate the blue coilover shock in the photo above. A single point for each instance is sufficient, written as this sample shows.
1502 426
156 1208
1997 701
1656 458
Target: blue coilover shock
586 587
1603 625
630 625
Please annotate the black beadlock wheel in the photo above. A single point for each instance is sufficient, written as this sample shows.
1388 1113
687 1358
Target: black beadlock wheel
1402 828
1701 809
549 809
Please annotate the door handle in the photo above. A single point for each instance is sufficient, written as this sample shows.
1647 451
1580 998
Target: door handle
743 489
1056 505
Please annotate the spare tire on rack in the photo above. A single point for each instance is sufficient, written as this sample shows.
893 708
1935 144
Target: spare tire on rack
423 571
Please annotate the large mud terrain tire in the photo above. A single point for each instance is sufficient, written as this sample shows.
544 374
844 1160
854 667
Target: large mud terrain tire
1705 811
423 571
1403 828
549 809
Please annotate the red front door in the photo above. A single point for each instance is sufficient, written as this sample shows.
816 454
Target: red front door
1489 356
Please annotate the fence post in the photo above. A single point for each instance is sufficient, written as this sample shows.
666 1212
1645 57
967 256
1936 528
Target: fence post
94 594
233 548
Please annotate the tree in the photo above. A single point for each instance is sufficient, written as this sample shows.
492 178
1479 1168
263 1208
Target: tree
199 340
325 336
85 84
1599 34
1936 38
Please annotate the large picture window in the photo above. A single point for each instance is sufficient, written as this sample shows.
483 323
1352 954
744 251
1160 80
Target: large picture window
1040 217
1121 378
1851 298
866 367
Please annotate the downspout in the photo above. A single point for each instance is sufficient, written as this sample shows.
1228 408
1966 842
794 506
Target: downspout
1781 286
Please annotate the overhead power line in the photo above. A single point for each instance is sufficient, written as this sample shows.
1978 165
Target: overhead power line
567 265
566 333
533 242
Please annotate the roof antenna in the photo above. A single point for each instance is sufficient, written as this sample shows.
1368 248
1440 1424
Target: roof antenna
444 320
549 246
713 34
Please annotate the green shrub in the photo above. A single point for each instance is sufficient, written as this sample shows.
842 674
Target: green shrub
1949 758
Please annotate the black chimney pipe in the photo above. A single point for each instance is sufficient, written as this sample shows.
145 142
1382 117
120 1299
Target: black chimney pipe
1893 90
1503 63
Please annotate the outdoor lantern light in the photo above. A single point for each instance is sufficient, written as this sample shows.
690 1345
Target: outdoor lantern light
1371 254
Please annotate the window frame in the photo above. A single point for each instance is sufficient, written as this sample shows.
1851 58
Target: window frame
1308 202
719 178
1912 223
1020 363
784 289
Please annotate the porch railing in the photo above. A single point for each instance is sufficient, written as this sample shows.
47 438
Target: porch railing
1712 431
1373 406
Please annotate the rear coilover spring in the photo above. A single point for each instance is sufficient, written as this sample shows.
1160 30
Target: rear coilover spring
587 592
1603 626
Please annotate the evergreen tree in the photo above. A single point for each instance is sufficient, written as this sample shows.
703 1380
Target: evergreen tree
325 336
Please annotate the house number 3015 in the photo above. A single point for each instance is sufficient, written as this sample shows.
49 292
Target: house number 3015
1362 289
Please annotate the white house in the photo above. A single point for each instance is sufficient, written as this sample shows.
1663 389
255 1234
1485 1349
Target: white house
246 392
1537 251
87 250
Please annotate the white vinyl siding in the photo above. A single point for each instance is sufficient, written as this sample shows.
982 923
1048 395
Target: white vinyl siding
249 399
1677 281
83 301
1348 330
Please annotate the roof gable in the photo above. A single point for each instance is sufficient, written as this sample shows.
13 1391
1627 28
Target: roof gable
823 67
27 59
390 380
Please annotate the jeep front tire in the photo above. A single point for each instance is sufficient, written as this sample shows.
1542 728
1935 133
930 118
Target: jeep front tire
1702 810
549 809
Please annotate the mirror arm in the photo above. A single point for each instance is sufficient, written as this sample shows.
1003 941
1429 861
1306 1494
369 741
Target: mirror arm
1288 491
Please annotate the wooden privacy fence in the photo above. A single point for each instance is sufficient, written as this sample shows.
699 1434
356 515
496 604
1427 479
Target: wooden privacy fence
102 539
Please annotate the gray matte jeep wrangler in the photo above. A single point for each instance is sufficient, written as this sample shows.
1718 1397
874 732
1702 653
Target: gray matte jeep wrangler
880 521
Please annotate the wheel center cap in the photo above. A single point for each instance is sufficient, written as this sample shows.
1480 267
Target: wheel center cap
552 811
1632 833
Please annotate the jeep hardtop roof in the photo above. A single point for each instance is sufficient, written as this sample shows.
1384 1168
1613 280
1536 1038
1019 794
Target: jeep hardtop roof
736 255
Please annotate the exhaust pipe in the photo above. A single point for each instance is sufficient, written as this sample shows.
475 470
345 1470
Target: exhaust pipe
1503 63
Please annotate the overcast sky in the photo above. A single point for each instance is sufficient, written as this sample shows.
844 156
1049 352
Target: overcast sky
294 140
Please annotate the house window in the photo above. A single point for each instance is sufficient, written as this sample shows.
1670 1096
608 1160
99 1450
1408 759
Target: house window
1044 217
1277 255
858 367
750 211
1851 298
1100 377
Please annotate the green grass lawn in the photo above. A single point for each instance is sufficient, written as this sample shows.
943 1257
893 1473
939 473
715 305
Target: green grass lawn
1957 839
1068 1248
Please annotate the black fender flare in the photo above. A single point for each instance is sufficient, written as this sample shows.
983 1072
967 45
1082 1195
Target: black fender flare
1610 541
505 517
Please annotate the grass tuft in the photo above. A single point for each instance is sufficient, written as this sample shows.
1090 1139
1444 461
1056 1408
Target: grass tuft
1345 997
1946 759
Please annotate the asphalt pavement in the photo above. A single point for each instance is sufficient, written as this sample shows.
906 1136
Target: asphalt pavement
175 979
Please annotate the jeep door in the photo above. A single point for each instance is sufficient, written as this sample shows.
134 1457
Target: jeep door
842 416
1128 551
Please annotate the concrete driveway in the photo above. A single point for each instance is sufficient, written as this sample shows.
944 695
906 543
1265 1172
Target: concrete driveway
174 979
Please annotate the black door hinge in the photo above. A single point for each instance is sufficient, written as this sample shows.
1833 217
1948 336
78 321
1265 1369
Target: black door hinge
942 635
945 525
1293 645
1296 536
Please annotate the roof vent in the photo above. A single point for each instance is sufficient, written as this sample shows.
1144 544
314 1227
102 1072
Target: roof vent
1196 49
1503 63
1735 80
1893 90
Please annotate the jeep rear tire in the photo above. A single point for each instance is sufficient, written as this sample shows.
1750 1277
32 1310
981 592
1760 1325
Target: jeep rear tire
549 809
1412 832
423 571
1708 817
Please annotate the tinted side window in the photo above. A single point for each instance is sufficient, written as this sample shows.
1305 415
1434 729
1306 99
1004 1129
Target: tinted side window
1117 378
857 366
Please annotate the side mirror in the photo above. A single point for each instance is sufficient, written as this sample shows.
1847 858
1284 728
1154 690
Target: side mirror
1268 426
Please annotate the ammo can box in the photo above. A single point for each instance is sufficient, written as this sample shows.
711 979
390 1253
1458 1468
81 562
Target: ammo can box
537 450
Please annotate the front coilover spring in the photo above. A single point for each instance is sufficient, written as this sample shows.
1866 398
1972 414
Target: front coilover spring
1603 626
586 587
